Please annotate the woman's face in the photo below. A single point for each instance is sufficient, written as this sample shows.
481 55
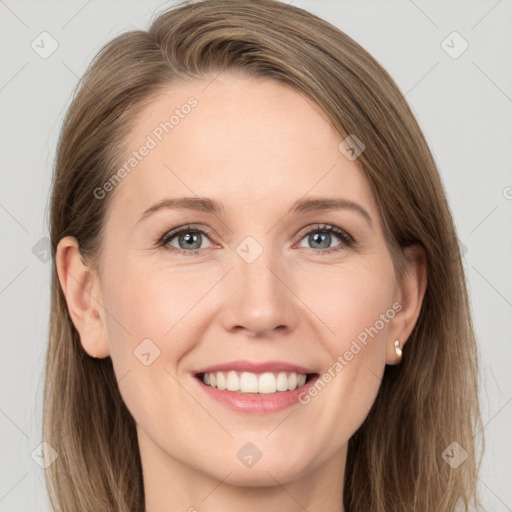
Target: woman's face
289 271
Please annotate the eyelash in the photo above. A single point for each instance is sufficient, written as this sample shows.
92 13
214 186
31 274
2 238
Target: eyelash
347 240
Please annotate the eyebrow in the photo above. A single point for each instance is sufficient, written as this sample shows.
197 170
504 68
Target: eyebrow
200 204
321 204
207 205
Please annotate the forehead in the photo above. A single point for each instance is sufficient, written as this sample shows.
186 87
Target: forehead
236 138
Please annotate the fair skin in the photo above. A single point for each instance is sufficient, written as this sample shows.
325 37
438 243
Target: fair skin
256 146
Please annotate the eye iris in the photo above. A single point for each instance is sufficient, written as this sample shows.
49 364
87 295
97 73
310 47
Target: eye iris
192 241
320 238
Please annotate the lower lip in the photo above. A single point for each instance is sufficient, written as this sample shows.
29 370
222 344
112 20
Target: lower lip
257 403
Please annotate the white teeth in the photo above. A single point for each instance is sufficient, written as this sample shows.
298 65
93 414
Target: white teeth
221 381
282 382
232 382
292 381
267 383
247 382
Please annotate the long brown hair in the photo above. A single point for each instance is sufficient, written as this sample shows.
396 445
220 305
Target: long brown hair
395 460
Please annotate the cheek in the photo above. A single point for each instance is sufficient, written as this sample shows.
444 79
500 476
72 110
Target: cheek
151 304
154 320
144 315
355 307
352 301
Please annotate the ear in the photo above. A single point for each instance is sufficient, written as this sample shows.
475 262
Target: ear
81 288
410 294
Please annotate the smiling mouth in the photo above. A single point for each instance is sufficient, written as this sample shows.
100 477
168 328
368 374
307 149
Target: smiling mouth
265 383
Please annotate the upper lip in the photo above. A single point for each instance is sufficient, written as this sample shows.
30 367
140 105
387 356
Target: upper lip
256 367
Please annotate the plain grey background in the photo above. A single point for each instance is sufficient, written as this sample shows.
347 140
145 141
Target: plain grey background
461 96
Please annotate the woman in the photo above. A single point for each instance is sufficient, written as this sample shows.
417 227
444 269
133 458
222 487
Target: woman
258 300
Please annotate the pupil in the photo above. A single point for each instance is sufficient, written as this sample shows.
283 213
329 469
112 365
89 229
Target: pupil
318 238
192 241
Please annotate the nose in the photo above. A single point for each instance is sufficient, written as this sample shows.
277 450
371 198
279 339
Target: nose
258 298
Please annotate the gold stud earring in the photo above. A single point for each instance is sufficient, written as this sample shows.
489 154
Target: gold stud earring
398 350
